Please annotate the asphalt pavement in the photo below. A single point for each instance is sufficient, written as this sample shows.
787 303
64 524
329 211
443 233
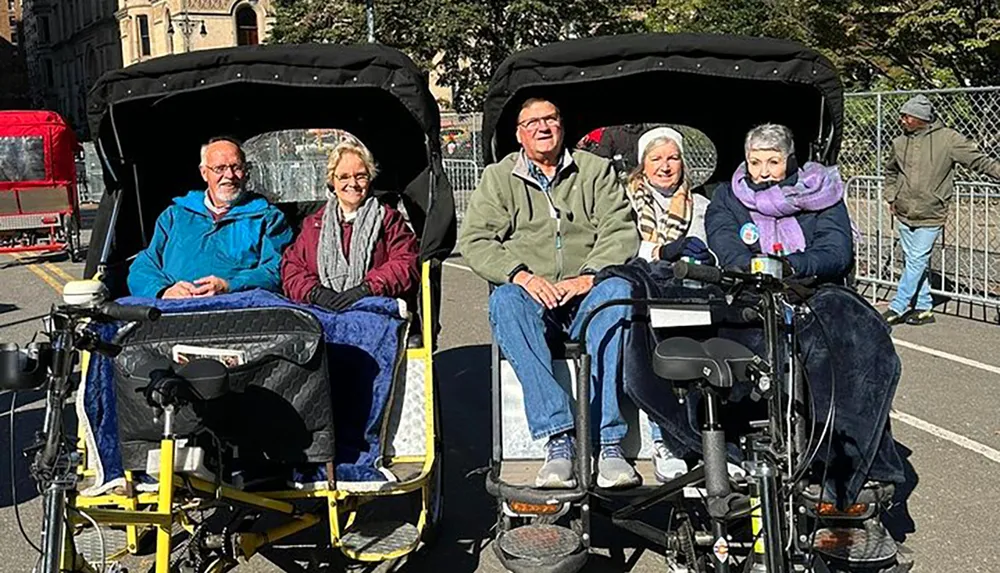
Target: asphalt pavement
946 421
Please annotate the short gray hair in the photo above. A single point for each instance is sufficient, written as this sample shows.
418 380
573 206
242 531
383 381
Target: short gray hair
206 145
770 136
357 148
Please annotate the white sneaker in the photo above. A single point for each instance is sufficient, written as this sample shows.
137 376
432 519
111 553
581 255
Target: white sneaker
666 466
735 471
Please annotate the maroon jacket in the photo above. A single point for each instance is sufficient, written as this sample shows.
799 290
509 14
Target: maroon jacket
395 266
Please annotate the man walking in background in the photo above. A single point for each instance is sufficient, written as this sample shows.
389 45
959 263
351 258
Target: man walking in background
919 184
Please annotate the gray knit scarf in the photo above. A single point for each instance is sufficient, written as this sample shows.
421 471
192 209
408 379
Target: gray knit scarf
336 271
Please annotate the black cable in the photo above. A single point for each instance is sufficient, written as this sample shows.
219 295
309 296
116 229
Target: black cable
13 482
23 320
829 445
833 385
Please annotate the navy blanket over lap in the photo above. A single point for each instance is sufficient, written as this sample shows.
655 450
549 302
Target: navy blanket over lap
361 386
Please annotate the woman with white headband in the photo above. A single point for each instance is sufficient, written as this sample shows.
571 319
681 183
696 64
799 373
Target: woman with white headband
671 220
671 216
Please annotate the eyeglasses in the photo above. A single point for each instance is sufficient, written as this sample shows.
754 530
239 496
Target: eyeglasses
238 169
536 122
358 178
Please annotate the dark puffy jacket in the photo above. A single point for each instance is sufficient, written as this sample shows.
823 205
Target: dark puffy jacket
395 266
829 248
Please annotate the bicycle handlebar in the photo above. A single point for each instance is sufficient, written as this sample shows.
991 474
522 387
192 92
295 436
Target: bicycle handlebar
128 313
717 276
703 273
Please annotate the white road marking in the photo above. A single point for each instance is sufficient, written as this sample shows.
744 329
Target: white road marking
936 431
456 266
947 356
939 432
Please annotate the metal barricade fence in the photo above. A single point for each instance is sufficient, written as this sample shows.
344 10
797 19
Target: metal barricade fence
964 263
464 176
89 177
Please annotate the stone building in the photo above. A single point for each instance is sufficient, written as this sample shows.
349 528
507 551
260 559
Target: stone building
14 92
154 28
69 44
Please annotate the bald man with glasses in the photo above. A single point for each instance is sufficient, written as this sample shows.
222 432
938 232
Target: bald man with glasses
213 241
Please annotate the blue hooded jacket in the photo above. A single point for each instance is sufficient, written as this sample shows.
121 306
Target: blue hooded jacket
244 247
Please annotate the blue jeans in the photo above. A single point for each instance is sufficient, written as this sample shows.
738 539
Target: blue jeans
655 431
917 243
523 328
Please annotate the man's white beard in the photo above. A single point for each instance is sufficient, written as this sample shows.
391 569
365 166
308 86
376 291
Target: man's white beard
227 198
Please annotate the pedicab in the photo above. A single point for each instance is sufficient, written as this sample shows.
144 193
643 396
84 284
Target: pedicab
281 419
39 205
704 520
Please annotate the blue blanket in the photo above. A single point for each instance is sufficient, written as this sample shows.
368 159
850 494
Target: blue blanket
372 326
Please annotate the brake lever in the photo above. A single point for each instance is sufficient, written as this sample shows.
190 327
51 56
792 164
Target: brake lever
91 342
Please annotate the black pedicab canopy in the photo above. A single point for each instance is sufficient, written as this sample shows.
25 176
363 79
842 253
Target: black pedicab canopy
150 119
721 85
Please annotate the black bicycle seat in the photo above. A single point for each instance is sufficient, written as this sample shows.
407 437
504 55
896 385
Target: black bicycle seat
718 361
24 369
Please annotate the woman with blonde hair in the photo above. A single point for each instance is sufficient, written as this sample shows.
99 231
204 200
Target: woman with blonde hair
354 246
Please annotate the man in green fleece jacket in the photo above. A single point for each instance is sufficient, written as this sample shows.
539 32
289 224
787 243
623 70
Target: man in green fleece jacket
919 184
543 221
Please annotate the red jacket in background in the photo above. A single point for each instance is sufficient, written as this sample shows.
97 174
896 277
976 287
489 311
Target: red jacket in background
395 266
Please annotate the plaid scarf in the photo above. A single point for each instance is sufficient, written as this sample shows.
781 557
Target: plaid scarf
671 224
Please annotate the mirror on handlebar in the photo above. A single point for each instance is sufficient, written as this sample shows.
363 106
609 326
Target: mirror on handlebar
24 368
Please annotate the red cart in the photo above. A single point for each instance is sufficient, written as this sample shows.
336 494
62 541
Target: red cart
39 206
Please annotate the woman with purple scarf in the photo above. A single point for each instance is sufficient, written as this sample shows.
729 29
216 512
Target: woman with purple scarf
774 206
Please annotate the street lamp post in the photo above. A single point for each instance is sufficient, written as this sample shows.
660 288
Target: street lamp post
370 16
187 25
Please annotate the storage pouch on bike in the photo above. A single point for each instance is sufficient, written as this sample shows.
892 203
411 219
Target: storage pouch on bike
280 407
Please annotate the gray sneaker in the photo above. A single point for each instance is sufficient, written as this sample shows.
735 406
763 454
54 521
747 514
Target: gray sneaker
666 466
557 472
613 470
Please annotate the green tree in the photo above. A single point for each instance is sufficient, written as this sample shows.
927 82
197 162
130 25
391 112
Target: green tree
463 40
874 43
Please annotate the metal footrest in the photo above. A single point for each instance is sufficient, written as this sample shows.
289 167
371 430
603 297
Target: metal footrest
375 539
88 544
869 544
539 542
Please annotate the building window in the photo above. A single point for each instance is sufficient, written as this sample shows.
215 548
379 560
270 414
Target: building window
246 26
44 31
47 73
144 49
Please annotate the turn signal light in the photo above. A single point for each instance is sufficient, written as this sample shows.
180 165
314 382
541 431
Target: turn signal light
830 510
533 508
